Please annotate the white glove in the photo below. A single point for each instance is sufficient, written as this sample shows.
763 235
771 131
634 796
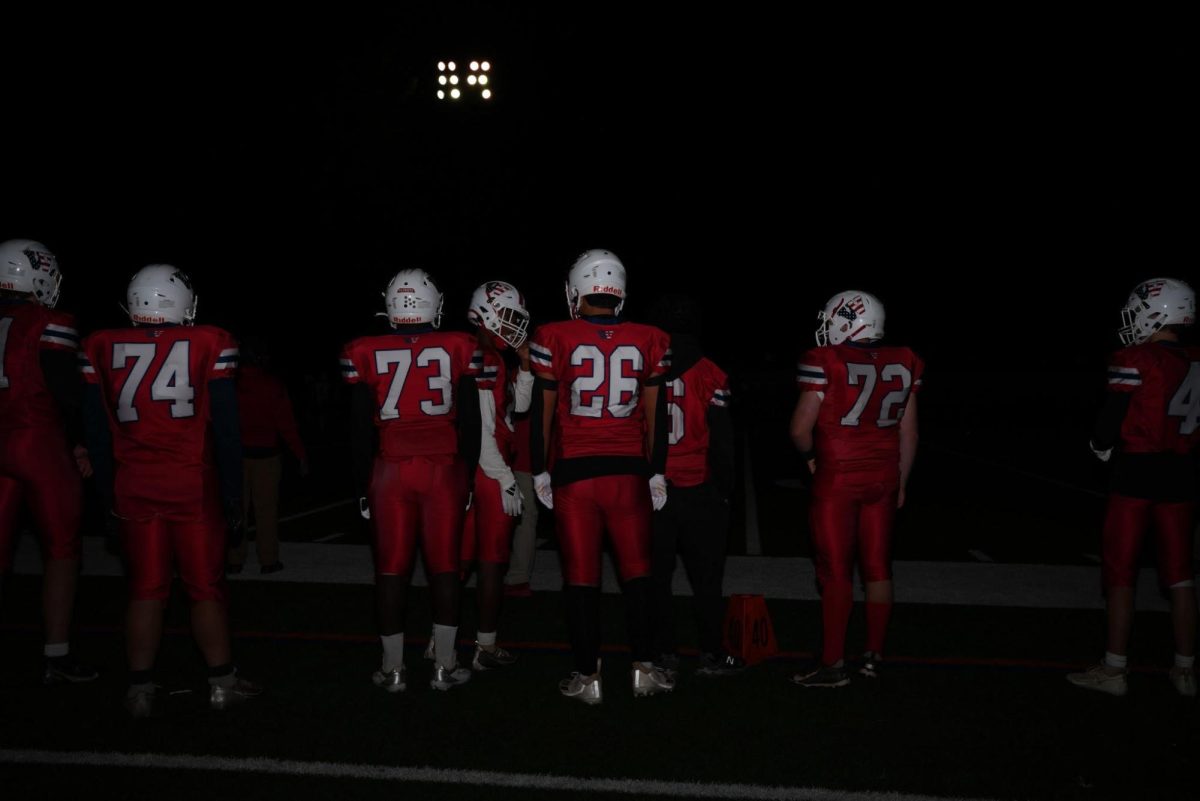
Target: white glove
1101 455
364 509
541 486
658 491
512 499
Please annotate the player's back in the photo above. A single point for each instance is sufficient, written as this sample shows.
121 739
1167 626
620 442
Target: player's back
866 390
600 366
154 382
414 378
689 397
27 330
1163 381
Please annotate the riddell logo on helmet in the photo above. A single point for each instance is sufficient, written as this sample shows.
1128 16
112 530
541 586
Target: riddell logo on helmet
600 289
404 289
139 317
7 285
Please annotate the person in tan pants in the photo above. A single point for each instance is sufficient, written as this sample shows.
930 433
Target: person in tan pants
266 418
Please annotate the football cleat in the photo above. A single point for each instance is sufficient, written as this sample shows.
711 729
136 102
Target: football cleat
390 680
870 665
241 691
443 679
487 660
720 665
582 688
144 701
649 679
67 670
1184 681
669 664
1101 678
825 676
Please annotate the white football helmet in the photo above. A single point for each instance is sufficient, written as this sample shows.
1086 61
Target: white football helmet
412 299
159 294
596 272
850 316
499 307
30 268
1154 304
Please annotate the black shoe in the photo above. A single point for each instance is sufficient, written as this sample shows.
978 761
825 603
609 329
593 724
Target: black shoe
669 663
720 665
870 665
822 676
67 670
239 692
145 701
274 567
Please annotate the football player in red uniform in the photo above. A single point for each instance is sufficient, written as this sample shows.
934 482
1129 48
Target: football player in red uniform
700 467
162 425
855 426
501 322
41 438
598 380
415 447
1148 430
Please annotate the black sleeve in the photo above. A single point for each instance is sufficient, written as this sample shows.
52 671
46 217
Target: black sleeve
227 442
98 440
537 416
662 424
470 424
363 436
1108 422
720 450
61 371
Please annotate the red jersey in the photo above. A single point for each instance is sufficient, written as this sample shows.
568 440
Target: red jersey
265 413
27 329
688 399
865 389
154 385
1163 380
494 378
414 377
599 368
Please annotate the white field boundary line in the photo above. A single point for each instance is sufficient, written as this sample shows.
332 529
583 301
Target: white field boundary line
450 776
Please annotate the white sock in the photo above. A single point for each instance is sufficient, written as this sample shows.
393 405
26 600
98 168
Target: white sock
1116 660
1185 662
488 640
443 645
393 651
54 650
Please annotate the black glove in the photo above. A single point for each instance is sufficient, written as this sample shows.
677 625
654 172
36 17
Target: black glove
234 531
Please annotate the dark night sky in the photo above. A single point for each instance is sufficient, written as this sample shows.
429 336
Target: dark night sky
292 161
